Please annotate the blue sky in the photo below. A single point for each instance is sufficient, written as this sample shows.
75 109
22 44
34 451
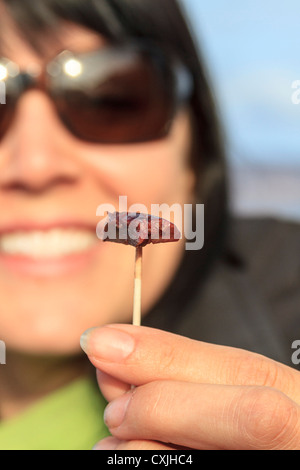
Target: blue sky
253 52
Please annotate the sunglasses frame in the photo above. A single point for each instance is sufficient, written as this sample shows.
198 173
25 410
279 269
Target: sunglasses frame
19 82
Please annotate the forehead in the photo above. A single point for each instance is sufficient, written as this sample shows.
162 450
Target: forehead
15 46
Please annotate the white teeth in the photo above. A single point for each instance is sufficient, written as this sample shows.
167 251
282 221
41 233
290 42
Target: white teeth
47 244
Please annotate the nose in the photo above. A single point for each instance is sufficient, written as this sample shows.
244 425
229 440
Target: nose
35 154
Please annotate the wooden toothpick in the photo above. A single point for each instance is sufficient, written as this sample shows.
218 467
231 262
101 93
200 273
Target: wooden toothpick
137 292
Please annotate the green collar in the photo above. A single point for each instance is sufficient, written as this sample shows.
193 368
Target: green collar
69 419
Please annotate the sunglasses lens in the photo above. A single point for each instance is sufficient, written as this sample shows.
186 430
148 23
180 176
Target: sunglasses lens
117 97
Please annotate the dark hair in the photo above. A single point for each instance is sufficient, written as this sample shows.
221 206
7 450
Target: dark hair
164 23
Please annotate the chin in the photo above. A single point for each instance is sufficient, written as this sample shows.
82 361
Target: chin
44 335
43 344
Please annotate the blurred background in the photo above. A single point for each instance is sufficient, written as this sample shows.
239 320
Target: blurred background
253 56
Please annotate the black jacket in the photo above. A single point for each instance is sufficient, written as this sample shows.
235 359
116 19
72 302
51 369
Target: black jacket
249 299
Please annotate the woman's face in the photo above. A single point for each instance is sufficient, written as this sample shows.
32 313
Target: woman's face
49 179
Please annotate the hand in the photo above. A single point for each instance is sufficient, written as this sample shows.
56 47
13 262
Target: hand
189 394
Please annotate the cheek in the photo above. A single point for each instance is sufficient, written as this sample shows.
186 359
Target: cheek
149 173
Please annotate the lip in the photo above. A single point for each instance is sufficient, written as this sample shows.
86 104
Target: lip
48 267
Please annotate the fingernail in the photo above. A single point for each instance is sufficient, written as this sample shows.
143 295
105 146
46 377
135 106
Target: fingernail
84 339
115 412
107 344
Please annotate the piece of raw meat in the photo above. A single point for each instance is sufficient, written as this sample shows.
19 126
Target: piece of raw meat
136 229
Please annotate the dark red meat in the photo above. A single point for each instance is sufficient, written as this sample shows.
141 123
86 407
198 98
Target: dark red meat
135 229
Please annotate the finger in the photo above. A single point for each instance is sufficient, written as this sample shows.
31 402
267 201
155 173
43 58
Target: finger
111 443
138 355
204 416
110 387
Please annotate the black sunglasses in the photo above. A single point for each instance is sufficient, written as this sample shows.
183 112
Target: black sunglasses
119 94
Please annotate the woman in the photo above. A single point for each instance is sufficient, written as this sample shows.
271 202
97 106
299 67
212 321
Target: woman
71 140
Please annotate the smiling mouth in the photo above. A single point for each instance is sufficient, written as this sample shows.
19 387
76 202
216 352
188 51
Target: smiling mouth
47 244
